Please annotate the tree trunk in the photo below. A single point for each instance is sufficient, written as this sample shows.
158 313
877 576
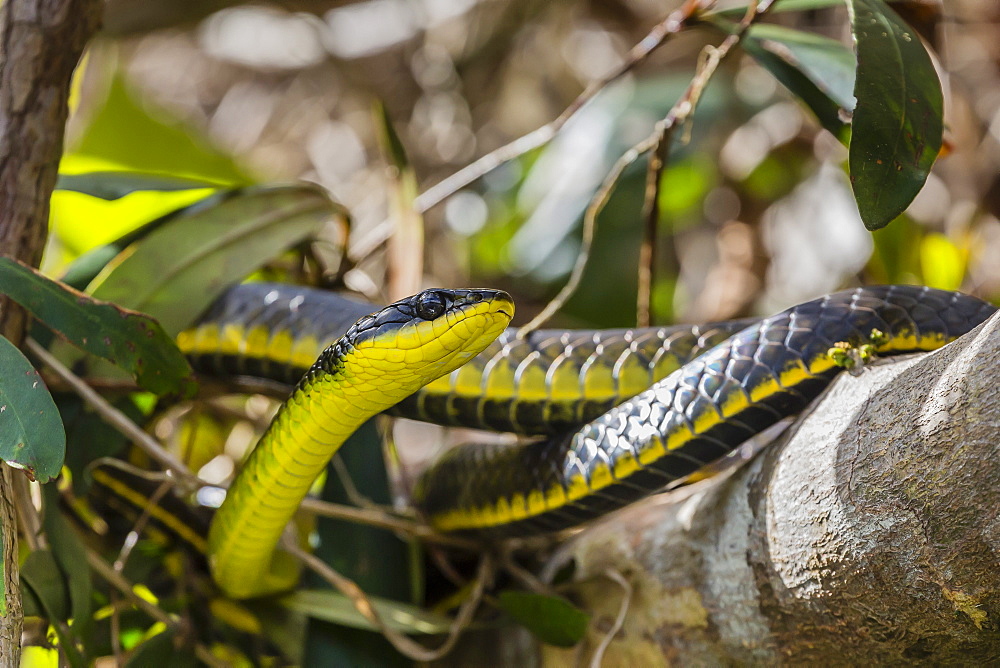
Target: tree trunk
869 535
40 45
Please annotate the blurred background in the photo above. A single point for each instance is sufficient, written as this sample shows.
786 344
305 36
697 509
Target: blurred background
757 211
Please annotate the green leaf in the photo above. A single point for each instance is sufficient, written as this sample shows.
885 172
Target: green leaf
45 589
115 185
781 6
48 595
180 268
132 341
71 560
897 125
819 70
332 606
125 133
553 620
31 432
86 267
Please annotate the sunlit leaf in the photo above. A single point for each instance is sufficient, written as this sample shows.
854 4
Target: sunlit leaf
180 268
85 268
332 606
897 125
553 620
31 432
126 133
130 340
819 70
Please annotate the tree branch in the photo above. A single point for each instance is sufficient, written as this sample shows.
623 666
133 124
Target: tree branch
40 45
868 536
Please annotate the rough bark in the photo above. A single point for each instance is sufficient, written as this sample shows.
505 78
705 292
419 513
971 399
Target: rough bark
40 45
868 536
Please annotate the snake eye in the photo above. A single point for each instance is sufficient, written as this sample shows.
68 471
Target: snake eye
430 306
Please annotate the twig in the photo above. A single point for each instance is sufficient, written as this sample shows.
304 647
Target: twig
140 524
363 605
663 132
436 194
524 576
112 415
350 489
594 209
595 661
27 514
118 581
383 520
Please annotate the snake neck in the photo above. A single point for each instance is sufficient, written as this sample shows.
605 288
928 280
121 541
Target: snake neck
325 409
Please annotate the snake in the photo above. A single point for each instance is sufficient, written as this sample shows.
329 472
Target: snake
615 415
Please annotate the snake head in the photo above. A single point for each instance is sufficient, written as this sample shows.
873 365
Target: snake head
427 335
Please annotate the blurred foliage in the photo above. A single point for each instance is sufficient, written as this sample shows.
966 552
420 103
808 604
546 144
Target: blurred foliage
173 126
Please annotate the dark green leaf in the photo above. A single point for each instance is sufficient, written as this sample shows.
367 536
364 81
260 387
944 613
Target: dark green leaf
553 620
332 606
48 594
71 559
115 185
897 126
180 268
45 587
31 432
820 71
132 341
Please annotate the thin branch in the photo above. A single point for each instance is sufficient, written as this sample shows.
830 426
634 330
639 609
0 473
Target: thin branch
619 579
523 575
383 520
436 194
112 415
27 514
140 524
680 111
663 132
364 606
594 209
118 581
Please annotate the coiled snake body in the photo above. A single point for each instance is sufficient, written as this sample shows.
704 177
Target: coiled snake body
655 404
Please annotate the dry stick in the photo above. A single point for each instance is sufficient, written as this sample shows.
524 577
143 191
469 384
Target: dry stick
409 648
383 520
140 524
27 514
595 207
679 113
434 195
595 661
112 415
118 581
